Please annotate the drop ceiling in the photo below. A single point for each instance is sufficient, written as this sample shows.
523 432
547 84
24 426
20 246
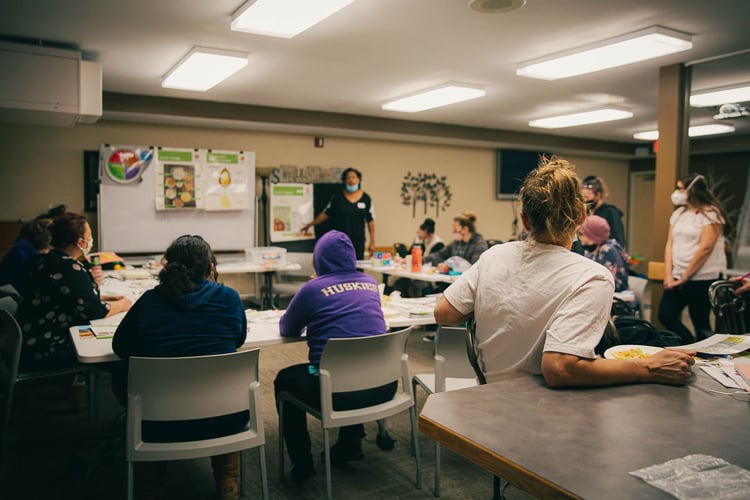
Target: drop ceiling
373 51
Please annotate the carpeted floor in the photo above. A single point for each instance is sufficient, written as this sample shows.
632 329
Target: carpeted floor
55 452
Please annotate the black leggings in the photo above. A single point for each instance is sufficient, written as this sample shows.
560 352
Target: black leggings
694 295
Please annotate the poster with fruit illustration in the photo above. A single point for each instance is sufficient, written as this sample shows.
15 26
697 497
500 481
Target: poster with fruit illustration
227 185
178 179
291 209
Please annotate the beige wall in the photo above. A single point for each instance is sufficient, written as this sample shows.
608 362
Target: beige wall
43 166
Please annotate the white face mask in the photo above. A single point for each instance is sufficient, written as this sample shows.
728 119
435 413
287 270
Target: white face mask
679 198
89 246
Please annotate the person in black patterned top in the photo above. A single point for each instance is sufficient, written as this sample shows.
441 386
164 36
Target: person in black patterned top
61 293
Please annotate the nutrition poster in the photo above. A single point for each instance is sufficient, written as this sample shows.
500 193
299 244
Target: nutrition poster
178 179
291 209
227 181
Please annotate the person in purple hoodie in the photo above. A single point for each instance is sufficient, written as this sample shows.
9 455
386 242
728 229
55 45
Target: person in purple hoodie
339 302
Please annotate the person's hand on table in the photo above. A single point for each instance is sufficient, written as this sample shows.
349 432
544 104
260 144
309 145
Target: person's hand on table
371 248
669 366
98 274
443 268
117 304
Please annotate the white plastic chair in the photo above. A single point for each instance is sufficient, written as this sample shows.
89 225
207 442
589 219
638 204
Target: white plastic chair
11 340
353 364
638 285
289 282
452 371
173 389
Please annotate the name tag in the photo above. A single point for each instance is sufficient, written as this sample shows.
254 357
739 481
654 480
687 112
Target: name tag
361 204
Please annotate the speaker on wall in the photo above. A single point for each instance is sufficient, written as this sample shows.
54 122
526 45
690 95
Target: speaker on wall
513 165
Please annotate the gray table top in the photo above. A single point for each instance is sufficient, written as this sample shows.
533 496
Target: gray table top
583 442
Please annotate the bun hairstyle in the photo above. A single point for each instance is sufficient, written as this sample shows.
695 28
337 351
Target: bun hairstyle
188 262
38 233
67 229
428 226
346 172
467 219
551 201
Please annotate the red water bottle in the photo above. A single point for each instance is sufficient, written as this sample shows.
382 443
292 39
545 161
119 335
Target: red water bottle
416 259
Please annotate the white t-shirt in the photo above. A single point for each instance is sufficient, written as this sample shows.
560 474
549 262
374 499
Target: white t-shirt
529 298
687 226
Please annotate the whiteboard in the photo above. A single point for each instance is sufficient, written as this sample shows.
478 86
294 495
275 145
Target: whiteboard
129 222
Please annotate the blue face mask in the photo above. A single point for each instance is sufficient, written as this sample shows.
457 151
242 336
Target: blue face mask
353 188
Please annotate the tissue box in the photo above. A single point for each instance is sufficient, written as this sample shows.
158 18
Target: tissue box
266 256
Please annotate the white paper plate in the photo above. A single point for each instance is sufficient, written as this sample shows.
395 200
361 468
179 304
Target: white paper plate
646 350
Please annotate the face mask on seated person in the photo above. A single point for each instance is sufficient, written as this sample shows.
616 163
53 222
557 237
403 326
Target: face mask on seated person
353 188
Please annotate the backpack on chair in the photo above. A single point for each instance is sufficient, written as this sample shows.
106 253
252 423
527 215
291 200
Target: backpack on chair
636 331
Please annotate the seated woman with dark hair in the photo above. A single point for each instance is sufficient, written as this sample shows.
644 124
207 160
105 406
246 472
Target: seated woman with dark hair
188 314
61 293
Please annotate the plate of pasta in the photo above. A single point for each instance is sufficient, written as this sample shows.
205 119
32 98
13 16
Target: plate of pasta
629 351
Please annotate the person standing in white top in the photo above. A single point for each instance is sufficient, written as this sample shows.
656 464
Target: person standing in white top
542 309
694 257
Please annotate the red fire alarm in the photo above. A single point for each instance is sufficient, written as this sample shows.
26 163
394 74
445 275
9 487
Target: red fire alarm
319 142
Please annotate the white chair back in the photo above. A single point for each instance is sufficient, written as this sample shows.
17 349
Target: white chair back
638 285
170 389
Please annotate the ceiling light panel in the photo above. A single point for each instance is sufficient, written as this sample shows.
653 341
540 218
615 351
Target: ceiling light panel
586 118
202 68
627 49
697 131
283 18
434 98
721 96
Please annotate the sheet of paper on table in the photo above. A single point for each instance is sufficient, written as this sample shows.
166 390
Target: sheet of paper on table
720 344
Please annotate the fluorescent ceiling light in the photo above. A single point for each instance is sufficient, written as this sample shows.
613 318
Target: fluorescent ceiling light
435 98
203 68
283 18
575 119
697 131
634 47
721 96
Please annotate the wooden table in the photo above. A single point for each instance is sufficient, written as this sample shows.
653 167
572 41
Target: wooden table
581 443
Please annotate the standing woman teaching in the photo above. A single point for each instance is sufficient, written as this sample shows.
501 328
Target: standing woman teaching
350 210
694 257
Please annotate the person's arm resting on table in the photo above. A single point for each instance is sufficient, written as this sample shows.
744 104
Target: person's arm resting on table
669 366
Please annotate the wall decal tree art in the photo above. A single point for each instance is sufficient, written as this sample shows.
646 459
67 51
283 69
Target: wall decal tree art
429 189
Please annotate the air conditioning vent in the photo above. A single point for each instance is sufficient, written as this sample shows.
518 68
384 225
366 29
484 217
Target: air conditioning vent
46 86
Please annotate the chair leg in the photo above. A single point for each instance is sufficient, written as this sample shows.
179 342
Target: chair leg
280 406
130 480
413 417
437 469
6 421
327 452
263 475
498 488
92 395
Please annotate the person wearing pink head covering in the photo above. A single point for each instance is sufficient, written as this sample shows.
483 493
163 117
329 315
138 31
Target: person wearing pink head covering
607 251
